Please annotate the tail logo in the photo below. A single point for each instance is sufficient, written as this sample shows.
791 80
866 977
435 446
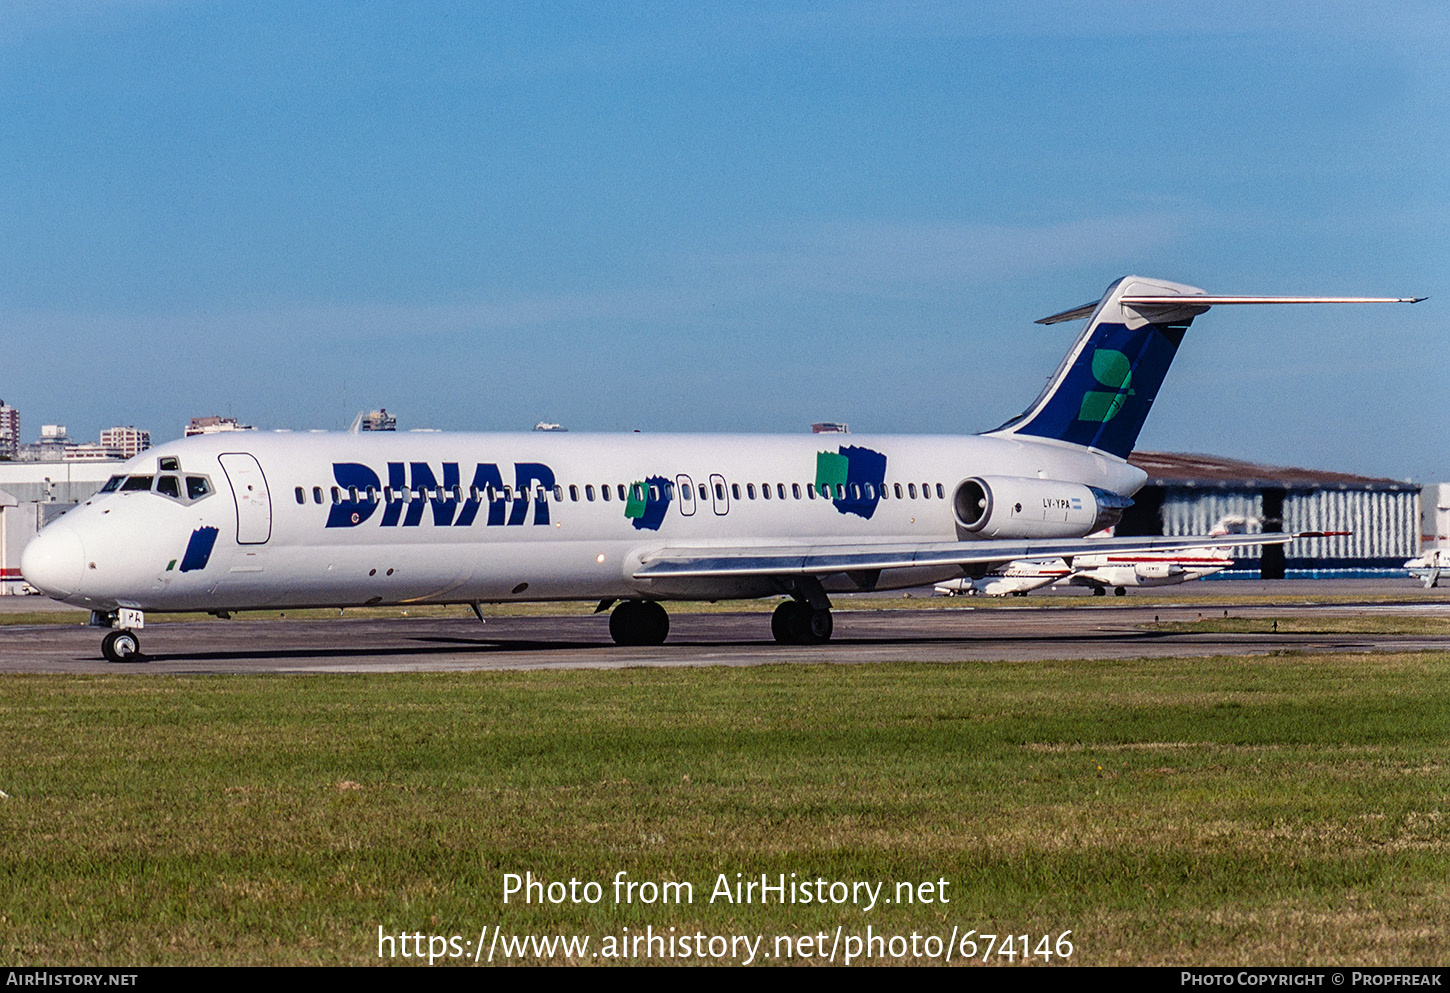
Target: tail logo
1112 369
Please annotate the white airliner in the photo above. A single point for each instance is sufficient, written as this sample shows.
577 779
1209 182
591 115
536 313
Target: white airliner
238 521
1101 572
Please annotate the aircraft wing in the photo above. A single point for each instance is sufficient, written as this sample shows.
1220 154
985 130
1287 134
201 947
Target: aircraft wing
824 559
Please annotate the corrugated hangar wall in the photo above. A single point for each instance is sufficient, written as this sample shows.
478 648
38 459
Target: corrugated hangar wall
1383 525
1189 494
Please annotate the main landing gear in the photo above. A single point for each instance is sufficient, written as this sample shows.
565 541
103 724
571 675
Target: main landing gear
639 622
796 622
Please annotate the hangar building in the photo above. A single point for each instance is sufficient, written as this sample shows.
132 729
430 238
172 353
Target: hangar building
1189 494
32 494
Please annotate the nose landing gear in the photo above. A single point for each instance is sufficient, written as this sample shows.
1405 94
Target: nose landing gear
121 646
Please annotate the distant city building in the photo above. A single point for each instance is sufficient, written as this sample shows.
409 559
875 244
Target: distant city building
549 426
215 425
55 446
830 427
378 420
125 442
49 448
9 431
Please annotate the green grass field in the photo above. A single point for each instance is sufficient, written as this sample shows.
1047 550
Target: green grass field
1282 810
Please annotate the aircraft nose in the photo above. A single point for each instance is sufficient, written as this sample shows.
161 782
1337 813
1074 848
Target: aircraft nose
54 561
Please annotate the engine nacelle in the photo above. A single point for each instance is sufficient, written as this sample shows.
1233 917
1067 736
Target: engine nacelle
1022 507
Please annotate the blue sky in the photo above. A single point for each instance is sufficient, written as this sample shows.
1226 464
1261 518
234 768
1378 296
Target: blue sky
722 217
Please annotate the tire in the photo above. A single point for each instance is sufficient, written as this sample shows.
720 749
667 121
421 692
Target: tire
1120 591
654 623
782 622
121 647
819 625
639 622
796 623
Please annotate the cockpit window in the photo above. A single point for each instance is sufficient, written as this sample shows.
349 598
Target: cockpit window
169 486
113 484
197 487
169 463
136 483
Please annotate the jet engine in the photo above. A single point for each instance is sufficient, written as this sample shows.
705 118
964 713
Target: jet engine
1022 507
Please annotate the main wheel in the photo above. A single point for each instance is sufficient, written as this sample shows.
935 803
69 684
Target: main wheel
818 627
783 623
639 622
121 646
1120 591
796 623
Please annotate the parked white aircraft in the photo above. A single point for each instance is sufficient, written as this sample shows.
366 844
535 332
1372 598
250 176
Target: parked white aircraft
1431 567
231 522
1101 572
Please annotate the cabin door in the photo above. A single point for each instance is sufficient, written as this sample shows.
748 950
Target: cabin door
254 502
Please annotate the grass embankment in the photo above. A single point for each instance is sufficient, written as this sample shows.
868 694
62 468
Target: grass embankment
1259 810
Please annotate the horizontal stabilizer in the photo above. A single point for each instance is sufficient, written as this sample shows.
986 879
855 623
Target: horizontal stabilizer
1204 301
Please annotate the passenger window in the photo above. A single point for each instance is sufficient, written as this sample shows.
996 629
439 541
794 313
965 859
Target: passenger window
704 493
558 494
810 491
621 492
170 486
898 491
765 490
926 491
795 490
654 491
719 491
735 490
301 497
840 491
316 493
941 492
589 493
750 490
113 484
197 487
336 496
604 491
136 483
911 490
885 492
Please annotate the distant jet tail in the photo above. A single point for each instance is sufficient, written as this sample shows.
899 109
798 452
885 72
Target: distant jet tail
1101 394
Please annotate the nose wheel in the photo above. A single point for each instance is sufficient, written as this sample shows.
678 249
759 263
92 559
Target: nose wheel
121 646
